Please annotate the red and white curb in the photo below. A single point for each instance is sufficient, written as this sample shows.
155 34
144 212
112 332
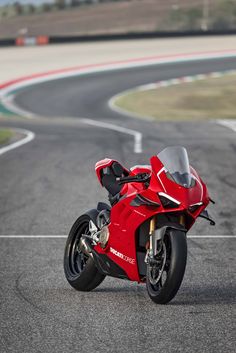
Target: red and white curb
8 89
29 136
9 86
184 79
167 83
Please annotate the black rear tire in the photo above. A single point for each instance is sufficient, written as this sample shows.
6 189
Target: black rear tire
80 269
176 249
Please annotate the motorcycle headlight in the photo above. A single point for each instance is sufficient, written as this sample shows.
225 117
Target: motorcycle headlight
168 201
194 207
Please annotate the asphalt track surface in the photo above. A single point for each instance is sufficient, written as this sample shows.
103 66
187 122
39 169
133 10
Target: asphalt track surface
47 183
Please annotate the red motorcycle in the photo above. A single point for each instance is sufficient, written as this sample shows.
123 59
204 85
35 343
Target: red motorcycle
142 236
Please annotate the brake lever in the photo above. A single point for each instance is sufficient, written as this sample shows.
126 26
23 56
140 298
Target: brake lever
125 180
139 178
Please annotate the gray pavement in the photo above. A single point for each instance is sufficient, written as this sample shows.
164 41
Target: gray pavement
46 184
41 313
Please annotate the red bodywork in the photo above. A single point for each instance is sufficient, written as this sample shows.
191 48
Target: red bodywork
126 219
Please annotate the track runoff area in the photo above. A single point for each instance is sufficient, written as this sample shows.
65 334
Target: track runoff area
41 313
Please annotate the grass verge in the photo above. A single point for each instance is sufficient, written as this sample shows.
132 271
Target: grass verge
213 98
5 136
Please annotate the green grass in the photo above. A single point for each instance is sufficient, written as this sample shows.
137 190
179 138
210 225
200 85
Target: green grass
5 136
213 98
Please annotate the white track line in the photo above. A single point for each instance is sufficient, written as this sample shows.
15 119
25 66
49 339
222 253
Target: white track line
29 137
12 106
231 124
211 236
21 236
136 134
8 102
7 98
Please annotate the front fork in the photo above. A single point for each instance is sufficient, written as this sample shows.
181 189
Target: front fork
155 242
156 237
152 227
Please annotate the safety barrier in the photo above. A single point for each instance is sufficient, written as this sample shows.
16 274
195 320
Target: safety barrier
44 40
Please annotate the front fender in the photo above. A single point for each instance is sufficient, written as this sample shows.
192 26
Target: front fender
160 233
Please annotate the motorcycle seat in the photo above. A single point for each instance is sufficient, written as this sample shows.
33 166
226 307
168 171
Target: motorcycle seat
109 175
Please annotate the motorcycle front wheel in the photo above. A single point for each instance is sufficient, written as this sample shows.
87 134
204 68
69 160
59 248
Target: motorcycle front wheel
164 278
79 267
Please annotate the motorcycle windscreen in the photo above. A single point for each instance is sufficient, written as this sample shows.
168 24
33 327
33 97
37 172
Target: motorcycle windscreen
176 162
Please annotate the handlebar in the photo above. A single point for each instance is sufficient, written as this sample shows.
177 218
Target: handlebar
138 178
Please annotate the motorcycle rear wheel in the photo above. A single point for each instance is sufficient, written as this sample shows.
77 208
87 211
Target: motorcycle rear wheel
79 268
174 268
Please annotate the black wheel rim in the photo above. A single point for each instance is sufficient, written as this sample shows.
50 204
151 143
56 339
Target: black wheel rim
77 259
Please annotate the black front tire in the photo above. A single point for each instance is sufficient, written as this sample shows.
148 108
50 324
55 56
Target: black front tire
176 246
80 269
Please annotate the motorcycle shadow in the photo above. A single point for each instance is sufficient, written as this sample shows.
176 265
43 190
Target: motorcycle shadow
194 295
205 295
122 289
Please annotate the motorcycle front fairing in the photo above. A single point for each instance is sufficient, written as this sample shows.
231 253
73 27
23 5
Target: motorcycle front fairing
173 192
173 178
